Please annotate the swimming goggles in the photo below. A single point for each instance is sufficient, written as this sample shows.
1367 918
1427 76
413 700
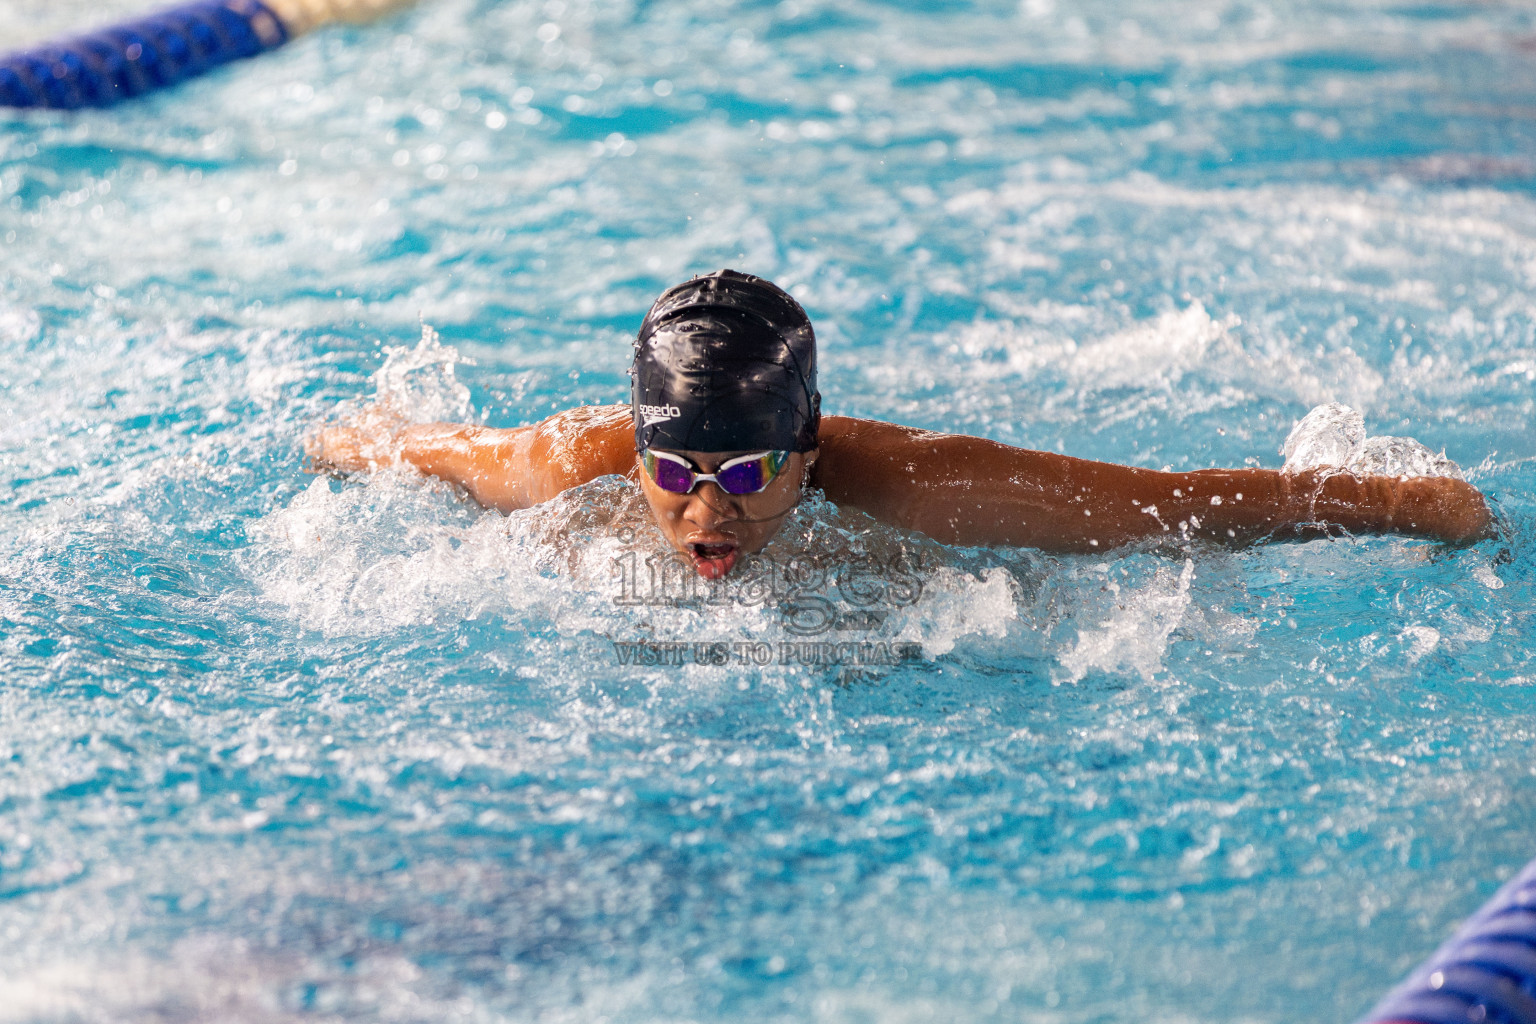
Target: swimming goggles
747 474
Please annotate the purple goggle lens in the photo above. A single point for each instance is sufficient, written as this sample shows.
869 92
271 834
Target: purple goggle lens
747 474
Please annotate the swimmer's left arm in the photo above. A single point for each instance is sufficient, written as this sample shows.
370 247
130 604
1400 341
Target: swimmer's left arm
969 490
504 469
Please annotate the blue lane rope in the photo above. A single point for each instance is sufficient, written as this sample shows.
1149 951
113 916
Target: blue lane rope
160 49
1485 973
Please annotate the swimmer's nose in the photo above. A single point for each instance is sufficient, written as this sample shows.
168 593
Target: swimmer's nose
717 505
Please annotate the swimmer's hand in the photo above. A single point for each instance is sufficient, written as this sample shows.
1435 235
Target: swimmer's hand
1436 507
352 448
1441 507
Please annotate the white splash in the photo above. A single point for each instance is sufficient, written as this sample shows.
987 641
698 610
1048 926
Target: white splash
371 559
1332 436
415 385
1485 575
19 326
398 552
956 604
1135 635
1400 456
1422 640
1326 437
1163 348
419 384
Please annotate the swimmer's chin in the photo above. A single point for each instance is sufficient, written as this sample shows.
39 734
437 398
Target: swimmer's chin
713 561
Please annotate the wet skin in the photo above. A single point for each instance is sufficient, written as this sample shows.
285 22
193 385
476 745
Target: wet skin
954 488
713 528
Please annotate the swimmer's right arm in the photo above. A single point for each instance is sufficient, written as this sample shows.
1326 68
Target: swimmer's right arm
504 469
969 490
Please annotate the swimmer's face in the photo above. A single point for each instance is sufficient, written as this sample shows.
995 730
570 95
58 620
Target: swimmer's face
712 528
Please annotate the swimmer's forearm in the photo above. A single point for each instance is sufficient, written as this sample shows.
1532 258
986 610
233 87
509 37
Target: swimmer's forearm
1087 506
481 460
1095 505
1004 495
1441 508
1247 505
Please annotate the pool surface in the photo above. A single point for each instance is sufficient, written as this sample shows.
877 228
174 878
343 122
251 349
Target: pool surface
276 747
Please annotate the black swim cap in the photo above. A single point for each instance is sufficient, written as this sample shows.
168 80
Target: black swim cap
725 362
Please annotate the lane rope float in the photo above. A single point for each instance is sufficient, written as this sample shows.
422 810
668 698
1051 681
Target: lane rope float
1484 974
164 48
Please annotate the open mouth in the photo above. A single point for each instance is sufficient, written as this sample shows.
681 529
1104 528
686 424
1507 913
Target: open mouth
713 560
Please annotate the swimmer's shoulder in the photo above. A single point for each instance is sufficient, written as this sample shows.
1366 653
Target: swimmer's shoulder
591 422
858 458
850 438
865 459
586 442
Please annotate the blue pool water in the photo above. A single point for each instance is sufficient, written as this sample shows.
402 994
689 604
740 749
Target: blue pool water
275 748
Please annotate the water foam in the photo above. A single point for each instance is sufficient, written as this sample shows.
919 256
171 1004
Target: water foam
1333 436
956 604
1134 635
1161 349
417 384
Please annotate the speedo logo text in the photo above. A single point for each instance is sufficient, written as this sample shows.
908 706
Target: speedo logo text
657 413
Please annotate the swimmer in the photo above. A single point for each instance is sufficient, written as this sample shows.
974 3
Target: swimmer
724 434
